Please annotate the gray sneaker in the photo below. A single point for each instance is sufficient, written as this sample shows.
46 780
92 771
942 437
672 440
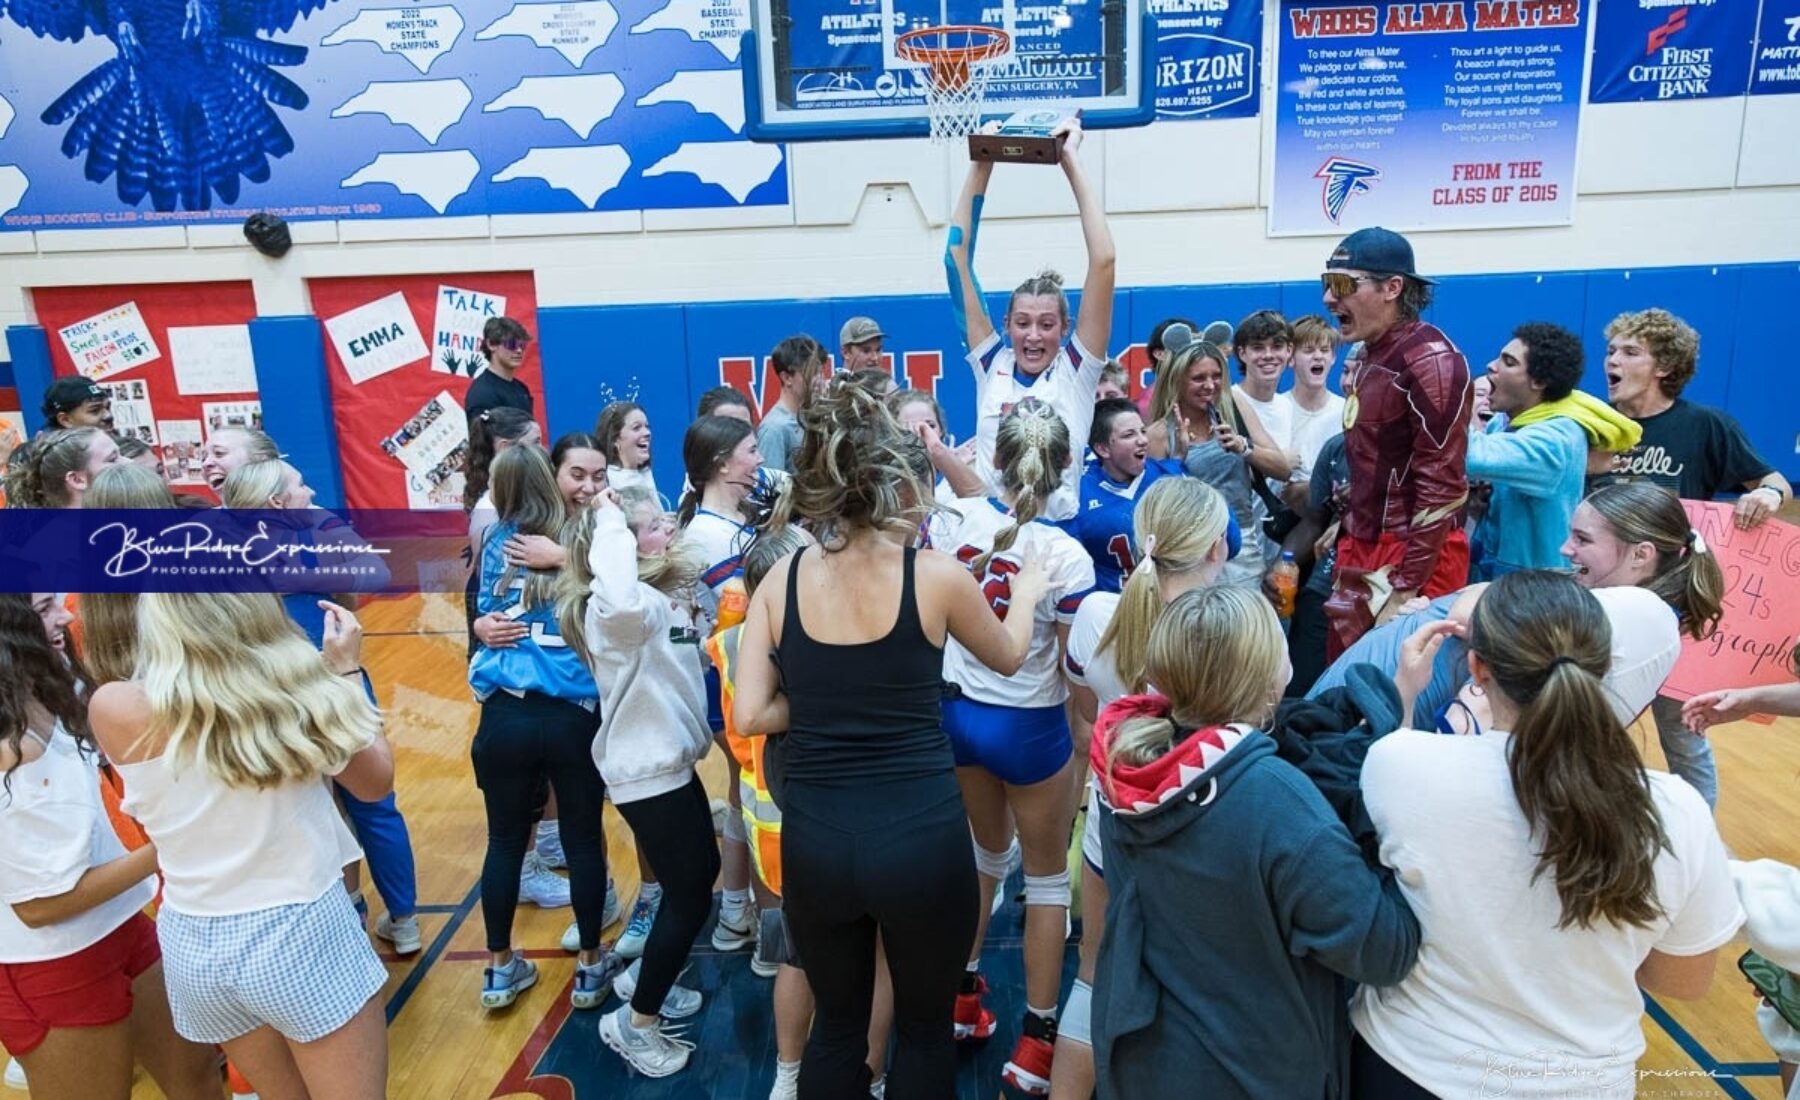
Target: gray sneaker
678 1004
653 1052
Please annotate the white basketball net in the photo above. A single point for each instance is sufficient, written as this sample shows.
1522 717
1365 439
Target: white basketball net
955 74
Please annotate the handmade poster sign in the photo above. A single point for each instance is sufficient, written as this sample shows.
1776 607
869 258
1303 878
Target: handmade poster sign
1762 605
461 316
433 441
376 338
110 343
212 359
131 410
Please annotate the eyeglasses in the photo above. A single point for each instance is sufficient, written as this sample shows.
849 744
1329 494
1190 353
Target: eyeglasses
1342 284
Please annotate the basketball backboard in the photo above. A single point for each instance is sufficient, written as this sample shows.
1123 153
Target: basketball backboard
827 69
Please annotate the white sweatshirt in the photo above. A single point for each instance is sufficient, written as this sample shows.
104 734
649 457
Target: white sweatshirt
647 663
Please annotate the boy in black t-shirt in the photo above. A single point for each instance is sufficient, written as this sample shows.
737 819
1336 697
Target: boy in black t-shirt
1695 451
503 340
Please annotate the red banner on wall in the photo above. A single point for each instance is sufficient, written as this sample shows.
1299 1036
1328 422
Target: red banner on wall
188 370
410 342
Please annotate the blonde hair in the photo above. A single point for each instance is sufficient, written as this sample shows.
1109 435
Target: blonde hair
1177 524
236 689
253 485
856 467
673 572
128 485
1215 654
1313 331
526 496
1031 449
1166 394
1671 342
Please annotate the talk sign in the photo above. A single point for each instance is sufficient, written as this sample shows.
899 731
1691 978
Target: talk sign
1762 605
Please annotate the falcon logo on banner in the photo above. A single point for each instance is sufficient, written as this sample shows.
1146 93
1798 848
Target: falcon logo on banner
1343 178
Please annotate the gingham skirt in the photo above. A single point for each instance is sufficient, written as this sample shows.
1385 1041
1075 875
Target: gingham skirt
303 970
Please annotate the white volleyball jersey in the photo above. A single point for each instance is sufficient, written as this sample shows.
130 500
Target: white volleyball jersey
1084 662
967 531
1063 386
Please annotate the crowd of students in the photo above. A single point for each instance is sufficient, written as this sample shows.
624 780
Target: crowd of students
927 667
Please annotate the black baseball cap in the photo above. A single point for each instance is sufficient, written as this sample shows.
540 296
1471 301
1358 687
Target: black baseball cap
71 392
1378 251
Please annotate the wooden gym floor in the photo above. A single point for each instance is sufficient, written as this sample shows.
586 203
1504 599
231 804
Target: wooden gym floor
443 1046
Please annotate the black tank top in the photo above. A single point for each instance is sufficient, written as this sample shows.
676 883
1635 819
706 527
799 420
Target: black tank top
872 710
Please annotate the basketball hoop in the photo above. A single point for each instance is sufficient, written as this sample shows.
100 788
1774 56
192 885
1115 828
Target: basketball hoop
957 64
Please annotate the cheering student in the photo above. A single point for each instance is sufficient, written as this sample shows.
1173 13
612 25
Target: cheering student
1406 435
1040 358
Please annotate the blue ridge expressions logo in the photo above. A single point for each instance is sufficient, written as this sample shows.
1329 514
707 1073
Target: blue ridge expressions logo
1343 178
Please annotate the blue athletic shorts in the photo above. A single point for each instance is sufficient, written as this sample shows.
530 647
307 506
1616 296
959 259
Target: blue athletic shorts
1020 745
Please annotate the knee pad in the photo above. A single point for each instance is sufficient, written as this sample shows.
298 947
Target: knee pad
1049 889
995 864
732 828
1076 1021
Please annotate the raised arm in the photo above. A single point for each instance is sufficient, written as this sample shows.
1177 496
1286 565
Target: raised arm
959 257
1266 456
1093 327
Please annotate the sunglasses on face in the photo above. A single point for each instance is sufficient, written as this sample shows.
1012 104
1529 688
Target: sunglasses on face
1341 284
514 345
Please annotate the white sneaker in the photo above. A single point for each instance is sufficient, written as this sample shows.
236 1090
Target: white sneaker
550 849
730 935
637 930
878 1090
609 916
678 1004
541 886
787 1081
15 1075
403 934
653 1052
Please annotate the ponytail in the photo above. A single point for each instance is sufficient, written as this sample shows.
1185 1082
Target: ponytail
1178 523
1031 450
1575 772
487 430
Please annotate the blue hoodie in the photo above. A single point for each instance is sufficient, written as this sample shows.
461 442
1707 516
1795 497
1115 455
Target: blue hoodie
1239 905
1538 472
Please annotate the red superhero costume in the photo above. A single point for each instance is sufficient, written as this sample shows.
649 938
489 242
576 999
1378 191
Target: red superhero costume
1406 434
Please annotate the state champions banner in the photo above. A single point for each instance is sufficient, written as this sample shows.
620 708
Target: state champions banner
1661 49
1460 115
1207 55
372 108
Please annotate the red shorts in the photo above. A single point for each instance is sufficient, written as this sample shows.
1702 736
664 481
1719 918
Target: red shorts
1355 557
91 988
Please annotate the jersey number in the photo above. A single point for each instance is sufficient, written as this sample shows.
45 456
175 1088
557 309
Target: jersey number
996 584
1119 546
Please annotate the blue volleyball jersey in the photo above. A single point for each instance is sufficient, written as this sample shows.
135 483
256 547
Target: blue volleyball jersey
1103 523
540 662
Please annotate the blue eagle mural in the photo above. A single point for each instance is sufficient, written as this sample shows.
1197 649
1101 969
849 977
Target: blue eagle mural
187 107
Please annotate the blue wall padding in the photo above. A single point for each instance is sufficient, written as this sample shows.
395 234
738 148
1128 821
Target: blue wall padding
30 346
675 352
296 399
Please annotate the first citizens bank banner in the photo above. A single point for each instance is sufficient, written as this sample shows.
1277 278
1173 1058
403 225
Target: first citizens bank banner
1427 115
1647 50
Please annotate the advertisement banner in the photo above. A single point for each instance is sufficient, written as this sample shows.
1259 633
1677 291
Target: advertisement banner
1777 68
1206 58
354 109
1460 115
1651 50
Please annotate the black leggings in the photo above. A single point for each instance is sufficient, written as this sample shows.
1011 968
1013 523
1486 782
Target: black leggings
676 835
518 744
893 857
1372 1078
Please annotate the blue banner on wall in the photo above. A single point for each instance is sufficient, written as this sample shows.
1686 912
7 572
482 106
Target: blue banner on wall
1206 58
1651 49
1427 116
351 109
1777 68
